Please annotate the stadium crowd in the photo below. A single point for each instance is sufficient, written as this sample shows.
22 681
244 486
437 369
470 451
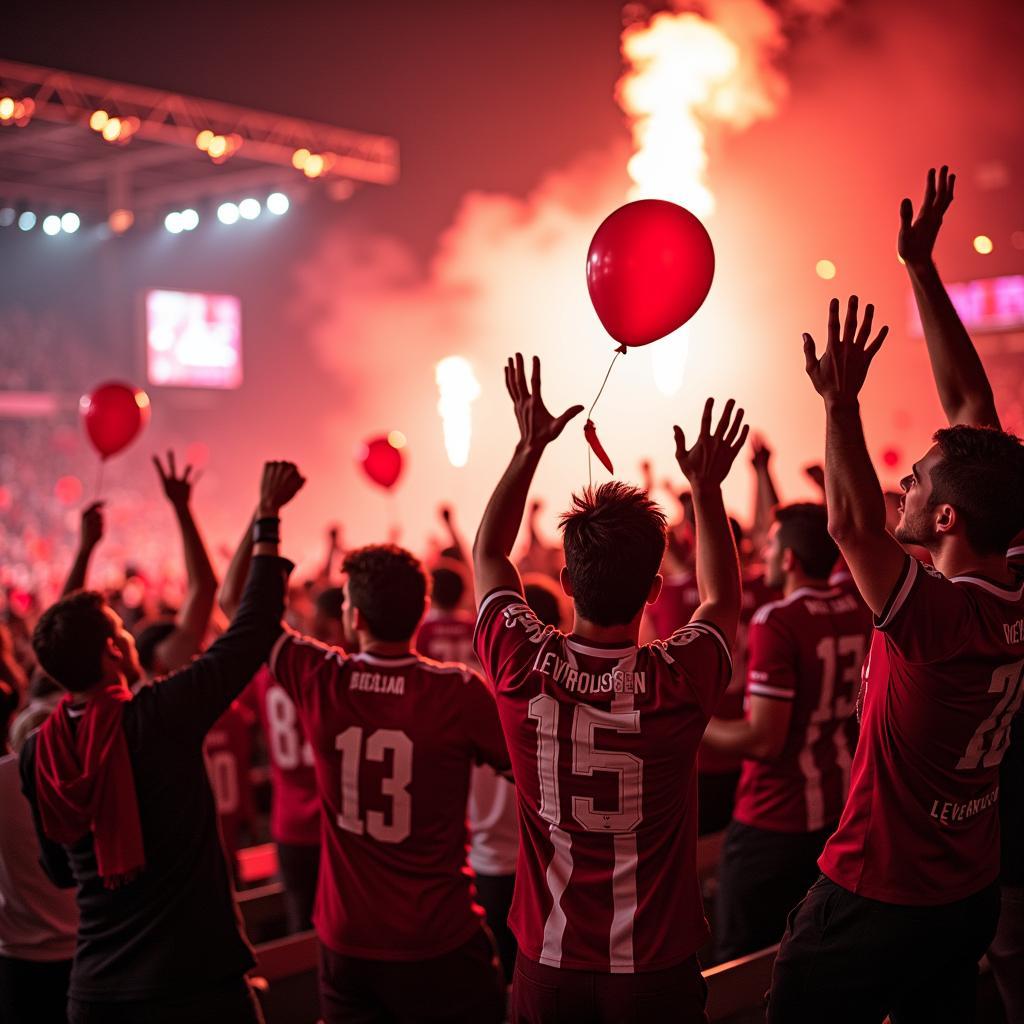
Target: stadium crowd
488 774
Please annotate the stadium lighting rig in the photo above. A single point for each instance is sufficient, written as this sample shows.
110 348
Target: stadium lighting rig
80 150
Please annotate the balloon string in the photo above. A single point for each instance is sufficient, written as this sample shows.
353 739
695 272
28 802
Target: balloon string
590 454
99 481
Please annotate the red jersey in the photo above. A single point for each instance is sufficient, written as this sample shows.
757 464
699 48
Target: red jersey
394 739
295 802
808 650
228 750
943 680
603 741
447 636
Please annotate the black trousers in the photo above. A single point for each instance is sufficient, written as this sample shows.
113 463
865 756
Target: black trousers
299 866
762 876
716 794
231 1003
846 959
33 992
494 894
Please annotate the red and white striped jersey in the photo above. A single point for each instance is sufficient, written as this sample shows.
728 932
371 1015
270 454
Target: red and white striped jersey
807 649
944 679
603 741
393 738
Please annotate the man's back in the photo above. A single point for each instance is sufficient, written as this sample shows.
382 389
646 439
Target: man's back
603 742
806 649
393 740
944 678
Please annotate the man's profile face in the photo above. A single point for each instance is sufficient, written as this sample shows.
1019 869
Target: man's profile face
125 643
916 524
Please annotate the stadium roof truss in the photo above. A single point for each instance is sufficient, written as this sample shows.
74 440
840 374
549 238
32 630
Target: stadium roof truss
58 159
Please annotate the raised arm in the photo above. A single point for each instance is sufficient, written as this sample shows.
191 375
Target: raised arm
193 619
856 505
963 386
91 533
456 543
766 496
492 566
231 588
705 466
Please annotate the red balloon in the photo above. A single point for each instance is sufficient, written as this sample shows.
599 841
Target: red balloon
891 457
382 460
113 415
649 269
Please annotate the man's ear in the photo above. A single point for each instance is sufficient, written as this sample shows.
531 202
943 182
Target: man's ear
359 623
945 518
655 592
111 650
788 560
565 581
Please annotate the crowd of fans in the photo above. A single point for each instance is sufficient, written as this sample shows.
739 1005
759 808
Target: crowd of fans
491 772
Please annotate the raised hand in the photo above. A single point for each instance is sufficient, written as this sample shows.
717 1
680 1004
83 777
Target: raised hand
177 488
917 237
92 525
537 427
708 462
760 453
840 373
280 483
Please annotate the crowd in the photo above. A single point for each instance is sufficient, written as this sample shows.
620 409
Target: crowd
489 774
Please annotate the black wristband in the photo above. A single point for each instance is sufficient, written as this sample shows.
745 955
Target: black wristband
267 530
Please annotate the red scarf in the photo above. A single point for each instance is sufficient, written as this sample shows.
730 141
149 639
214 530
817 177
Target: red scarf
84 783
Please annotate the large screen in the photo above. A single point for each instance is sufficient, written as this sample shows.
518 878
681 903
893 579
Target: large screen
193 339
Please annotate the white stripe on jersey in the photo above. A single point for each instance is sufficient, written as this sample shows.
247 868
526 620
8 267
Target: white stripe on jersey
373 659
276 649
762 613
494 595
600 652
558 873
620 945
1006 593
771 691
901 596
812 780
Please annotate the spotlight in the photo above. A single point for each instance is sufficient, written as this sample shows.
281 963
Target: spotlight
173 222
983 244
120 220
825 269
278 203
249 208
203 140
27 221
7 216
7 108
314 166
70 222
227 213
111 130
98 120
51 225
299 158
189 219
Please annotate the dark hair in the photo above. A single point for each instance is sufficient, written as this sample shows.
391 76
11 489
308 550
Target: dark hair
389 587
9 699
69 639
149 637
543 598
330 601
614 541
449 584
803 528
982 476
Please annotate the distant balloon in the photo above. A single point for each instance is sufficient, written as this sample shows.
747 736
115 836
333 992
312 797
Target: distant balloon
891 457
113 415
382 460
649 269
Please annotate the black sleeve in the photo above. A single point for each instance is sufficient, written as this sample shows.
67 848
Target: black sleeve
52 856
189 701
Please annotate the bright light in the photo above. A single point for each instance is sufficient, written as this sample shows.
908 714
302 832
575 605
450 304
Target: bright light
112 129
458 389
70 222
218 147
7 216
120 221
668 362
189 219
173 222
98 120
249 208
51 225
277 203
314 166
6 108
983 244
825 269
27 221
203 139
397 439
227 213
299 158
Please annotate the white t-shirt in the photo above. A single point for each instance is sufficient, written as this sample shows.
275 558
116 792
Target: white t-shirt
38 921
493 830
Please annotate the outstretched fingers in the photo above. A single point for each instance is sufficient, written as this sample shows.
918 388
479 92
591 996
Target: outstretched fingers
865 328
524 391
723 422
810 354
873 348
734 429
850 323
705 419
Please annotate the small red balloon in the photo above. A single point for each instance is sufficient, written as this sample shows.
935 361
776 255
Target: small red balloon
891 457
113 415
382 461
649 269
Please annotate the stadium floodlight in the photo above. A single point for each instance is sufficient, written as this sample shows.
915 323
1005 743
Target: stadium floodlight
189 219
8 216
227 213
70 222
173 222
278 203
27 220
51 225
249 208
